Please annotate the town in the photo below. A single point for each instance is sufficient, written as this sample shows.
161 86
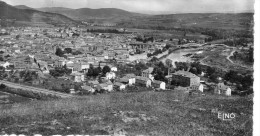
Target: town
76 61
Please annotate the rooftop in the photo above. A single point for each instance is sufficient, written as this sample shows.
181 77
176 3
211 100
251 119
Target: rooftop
185 73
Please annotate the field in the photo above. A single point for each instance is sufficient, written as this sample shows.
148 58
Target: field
147 113
219 56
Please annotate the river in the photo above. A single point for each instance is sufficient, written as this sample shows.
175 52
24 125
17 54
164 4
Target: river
178 55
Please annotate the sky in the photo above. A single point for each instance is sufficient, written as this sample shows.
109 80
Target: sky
146 6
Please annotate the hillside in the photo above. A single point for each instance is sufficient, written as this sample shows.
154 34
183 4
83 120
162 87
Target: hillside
31 17
239 21
172 113
87 13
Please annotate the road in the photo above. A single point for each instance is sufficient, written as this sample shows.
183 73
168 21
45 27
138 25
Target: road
35 89
231 54
201 61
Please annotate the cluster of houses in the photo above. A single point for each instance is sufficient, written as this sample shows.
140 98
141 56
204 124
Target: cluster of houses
34 50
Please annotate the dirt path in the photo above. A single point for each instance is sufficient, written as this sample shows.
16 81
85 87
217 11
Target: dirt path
201 61
231 54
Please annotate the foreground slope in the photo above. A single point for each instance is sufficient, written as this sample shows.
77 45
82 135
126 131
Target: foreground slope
142 113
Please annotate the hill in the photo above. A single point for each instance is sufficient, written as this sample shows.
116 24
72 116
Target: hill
22 7
29 16
228 21
53 9
87 13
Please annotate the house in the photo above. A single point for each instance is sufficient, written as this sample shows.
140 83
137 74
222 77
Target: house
88 88
131 77
4 64
93 83
125 81
144 81
159 84
106 86
201 88
114 69
110 75
120 86
37 81
78 77
148 73
221 88
59 63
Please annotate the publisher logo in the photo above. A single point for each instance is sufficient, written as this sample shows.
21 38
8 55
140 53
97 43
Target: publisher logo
226 116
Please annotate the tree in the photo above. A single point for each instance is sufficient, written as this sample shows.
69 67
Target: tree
68 50
154 59
96 72
17 37
168 63
59 52
90 70
106 69
251 54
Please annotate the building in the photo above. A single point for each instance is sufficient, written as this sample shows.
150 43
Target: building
119 86
185 79
143 81
159 84
59 63
110 75
114 69
148 73
106 86
221 88
131 78
78 77
4 64
88 88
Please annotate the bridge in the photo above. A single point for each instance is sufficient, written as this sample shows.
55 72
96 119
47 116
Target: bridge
35 89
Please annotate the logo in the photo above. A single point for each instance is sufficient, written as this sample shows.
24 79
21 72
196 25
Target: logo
226 116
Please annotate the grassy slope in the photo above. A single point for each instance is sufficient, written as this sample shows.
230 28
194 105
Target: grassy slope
96 115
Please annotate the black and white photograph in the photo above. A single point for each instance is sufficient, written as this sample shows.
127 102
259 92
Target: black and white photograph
128 68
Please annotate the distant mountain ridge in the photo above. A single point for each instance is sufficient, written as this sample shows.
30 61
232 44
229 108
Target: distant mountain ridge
22 7
86 13
25 14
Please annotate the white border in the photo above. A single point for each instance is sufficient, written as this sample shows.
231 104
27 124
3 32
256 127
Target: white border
256 115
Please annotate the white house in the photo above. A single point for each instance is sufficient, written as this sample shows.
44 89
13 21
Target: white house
201 87
159 84
114 69
4 64
110 75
